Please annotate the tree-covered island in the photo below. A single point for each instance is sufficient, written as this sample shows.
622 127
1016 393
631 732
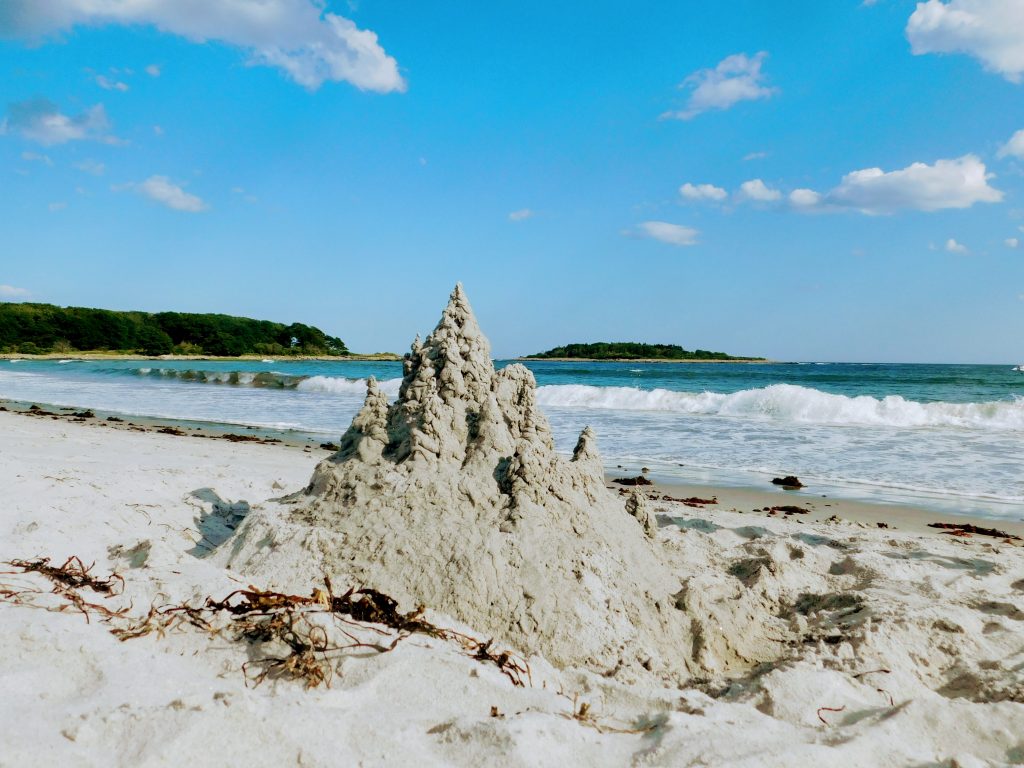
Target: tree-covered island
27 328
630 350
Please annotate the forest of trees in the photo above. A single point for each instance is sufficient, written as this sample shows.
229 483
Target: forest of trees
39 328
630 350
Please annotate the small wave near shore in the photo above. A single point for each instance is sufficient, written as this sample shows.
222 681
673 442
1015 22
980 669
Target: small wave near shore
264 380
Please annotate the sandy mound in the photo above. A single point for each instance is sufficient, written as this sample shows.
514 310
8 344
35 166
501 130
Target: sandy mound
454 498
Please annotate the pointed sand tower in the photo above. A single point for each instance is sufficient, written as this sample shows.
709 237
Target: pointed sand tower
453 497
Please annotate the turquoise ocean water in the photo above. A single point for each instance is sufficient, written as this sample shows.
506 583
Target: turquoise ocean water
946 436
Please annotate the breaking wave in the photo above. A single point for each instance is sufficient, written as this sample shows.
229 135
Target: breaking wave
265 380
792 403
778 402
335 385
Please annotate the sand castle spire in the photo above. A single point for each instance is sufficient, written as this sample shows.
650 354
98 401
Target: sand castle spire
453 497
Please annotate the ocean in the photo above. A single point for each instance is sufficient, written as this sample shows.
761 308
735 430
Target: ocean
946 437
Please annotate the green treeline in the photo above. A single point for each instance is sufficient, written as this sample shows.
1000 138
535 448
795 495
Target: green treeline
630 350
41 328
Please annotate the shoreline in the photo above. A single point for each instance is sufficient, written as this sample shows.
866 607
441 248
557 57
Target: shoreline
386 357
822 508
909 517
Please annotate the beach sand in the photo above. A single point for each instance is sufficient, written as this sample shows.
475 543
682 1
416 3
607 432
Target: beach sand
912 652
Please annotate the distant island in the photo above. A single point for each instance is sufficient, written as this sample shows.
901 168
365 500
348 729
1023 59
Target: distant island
31 329
629 350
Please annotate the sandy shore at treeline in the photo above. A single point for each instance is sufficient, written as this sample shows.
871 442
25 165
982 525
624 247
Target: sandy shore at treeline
150 506
379 356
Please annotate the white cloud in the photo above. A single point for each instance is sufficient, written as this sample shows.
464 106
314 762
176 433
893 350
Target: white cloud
673 234
111 85
59 206
91 167
736 78
758 191
1014 147
296 36
755 156
991 31
33 157
153 70
958 183
702 192
1012 242
954 247
804 198
163 191
521 215
10 292
41 121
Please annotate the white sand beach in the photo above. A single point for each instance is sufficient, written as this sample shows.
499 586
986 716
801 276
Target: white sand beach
835 642
728 472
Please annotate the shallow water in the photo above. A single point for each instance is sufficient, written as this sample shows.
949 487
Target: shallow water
947 436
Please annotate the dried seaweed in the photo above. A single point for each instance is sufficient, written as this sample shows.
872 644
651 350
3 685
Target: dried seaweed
691 501
829 709
967 529
67 579
293 623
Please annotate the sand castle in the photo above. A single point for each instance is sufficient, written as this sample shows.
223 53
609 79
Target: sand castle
453 497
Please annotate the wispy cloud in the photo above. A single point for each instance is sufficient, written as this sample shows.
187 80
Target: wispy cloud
91 167
41 121
111 85
8 292
954 247
736 78
1012 242
663 231
162 190
754 156
521 215
57 206
310 45
991 31
153 70
34 157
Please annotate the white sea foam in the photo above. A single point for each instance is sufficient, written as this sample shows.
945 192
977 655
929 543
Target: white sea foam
339 386
788 402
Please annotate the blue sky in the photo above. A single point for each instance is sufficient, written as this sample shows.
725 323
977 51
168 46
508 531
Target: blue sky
832 181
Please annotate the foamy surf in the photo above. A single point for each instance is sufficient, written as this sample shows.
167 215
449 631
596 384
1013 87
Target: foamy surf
334 385
788 402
